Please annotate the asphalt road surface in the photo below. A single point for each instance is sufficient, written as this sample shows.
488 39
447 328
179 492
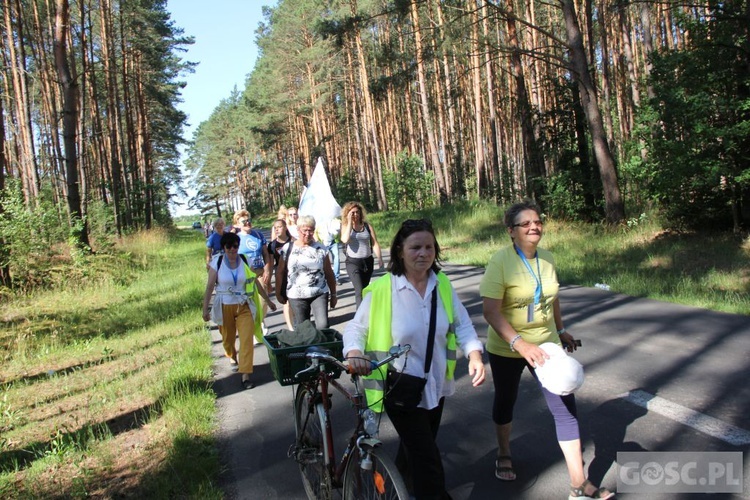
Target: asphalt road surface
659 377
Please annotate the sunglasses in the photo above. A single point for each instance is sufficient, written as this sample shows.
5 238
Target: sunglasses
232 245
527 223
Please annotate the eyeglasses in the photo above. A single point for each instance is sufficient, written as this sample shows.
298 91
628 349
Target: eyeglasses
244 222
232 245
527 223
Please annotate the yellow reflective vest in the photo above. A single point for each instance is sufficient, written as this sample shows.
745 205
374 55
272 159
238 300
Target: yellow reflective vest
380 340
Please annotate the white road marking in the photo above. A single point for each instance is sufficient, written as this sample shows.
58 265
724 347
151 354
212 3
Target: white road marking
698 421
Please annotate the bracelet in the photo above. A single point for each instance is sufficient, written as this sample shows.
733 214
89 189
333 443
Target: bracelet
513 341
561 331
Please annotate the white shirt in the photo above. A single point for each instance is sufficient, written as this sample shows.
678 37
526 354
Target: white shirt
230 287
410 325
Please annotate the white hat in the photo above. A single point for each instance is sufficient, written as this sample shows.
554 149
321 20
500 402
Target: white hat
560 374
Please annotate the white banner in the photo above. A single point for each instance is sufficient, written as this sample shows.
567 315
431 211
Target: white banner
317 199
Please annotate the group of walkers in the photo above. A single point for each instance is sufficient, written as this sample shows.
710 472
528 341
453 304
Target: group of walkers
303 258
414 303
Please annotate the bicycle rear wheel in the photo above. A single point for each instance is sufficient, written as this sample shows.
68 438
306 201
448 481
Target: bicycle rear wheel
310 446
381 481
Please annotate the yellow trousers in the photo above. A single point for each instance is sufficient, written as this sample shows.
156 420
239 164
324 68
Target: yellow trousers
238 321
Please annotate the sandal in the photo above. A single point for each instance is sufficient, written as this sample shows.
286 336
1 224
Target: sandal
247 382
580 492
504 473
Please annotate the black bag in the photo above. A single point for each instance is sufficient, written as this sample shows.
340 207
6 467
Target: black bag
404 391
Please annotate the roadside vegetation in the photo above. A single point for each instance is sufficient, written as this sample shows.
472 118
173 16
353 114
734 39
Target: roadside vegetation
640 258
107 380
106 374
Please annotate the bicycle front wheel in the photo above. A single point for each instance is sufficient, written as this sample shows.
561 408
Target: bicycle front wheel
310 446
379 479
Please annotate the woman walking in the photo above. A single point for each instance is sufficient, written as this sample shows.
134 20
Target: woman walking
237 305
519 292
360 245
213 243
309 277
281 241
414 304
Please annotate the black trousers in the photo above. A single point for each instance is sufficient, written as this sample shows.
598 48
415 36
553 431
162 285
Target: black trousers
360 272
418 457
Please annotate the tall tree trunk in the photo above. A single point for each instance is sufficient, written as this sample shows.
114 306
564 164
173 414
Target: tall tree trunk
425 106
22 109
70 119
455 149
604 31
534 166
112 140
614 208
489 75
369 114
5 278
440 93
481 176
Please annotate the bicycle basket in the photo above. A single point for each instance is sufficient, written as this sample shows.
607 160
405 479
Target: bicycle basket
285 369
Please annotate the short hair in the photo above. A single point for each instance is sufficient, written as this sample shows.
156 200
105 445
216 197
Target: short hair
229 239
279 220
306 221
240 213
409 227
517 208
219 220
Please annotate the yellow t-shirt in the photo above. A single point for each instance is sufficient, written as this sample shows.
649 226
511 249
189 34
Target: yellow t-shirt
507 278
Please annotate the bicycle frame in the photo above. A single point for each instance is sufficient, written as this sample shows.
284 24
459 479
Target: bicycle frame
316 392
320 388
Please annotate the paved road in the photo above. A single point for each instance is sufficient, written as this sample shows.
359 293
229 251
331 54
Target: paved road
690 367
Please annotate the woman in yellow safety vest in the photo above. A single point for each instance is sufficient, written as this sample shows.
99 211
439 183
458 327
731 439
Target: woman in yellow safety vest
396 310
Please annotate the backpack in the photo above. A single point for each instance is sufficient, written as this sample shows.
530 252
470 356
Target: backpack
221 257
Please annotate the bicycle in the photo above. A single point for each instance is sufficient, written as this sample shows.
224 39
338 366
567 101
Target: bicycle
364 471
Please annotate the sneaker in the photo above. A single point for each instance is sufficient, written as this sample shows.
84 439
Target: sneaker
264 329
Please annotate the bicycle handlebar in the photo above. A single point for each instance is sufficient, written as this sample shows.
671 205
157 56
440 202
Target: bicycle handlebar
316 355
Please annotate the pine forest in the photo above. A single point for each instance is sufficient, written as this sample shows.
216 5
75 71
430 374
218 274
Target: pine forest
598 109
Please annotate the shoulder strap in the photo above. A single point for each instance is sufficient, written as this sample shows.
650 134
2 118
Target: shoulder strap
221 257
431 336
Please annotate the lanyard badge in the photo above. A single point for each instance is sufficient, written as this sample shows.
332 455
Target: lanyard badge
537 278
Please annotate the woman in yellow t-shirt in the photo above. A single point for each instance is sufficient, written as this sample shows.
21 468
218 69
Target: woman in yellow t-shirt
519 292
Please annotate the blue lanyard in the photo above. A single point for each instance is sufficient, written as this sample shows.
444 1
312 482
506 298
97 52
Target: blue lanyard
538 279
234 274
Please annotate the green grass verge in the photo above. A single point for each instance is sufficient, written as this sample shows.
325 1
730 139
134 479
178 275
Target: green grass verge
642 259
107 385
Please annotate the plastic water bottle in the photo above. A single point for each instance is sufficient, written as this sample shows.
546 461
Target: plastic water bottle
602 286
370 422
